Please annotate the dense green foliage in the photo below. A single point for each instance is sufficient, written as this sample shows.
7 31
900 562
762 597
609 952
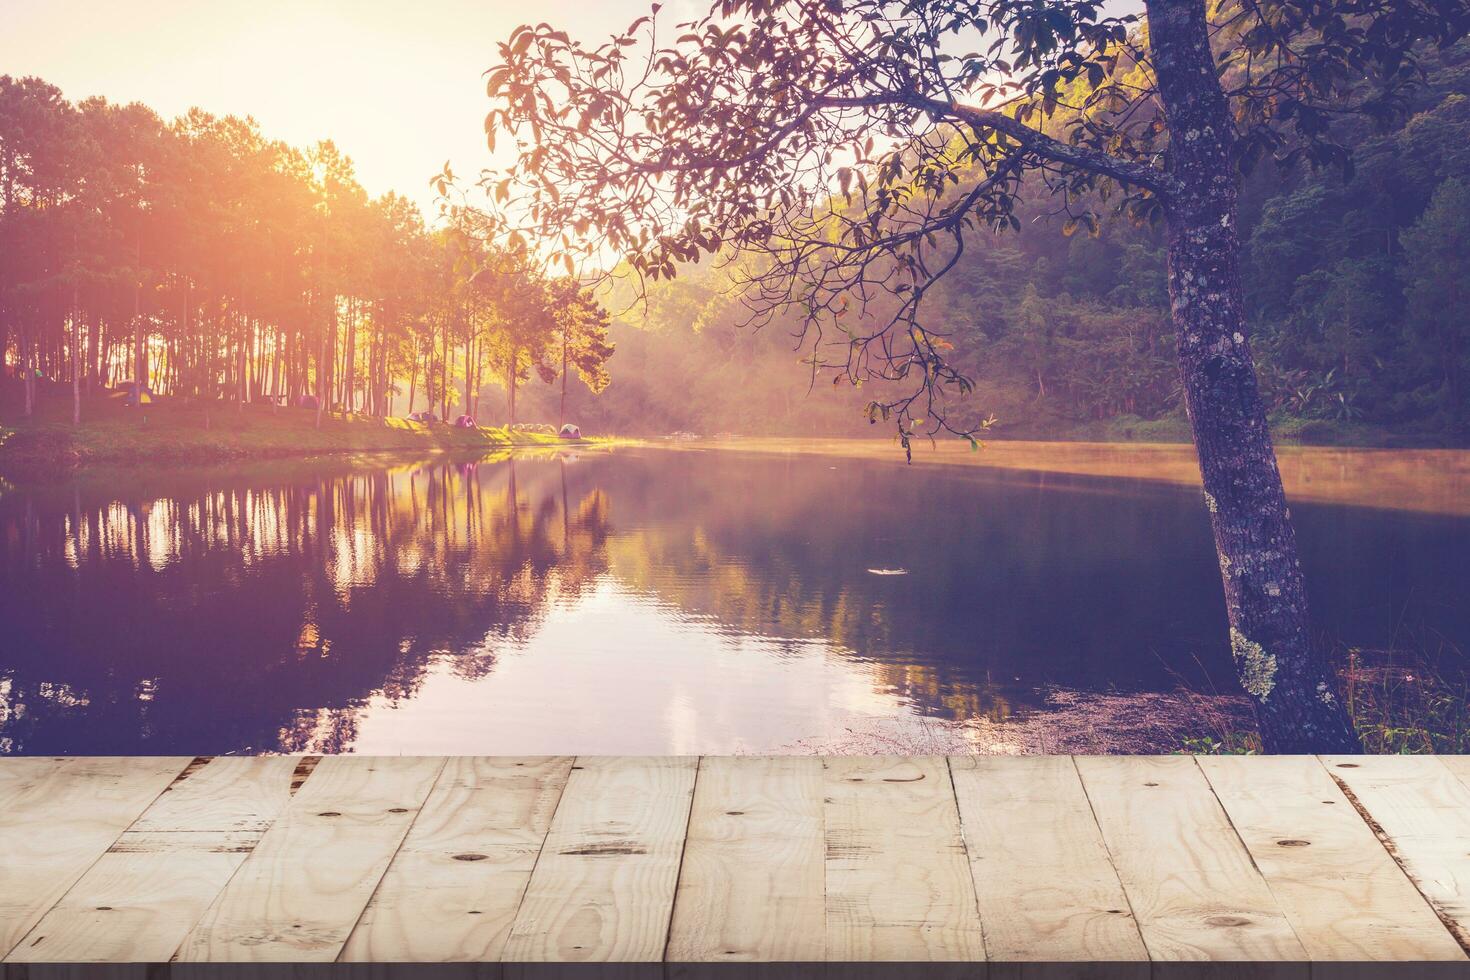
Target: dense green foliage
1353 285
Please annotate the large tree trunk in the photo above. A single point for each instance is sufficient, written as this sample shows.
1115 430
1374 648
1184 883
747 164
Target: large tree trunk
1290 679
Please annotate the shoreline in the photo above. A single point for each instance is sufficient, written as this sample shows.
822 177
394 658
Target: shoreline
1390 478
174 438
1431 481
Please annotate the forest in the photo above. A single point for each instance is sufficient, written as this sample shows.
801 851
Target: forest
214 264
222 265
1352 285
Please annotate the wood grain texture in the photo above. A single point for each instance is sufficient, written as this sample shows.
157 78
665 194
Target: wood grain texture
1457 764
140 899
898 879
743 859
57 817
452 892
752 883
301 890
1193 887
603 889
1423 808
1047 888
1345 897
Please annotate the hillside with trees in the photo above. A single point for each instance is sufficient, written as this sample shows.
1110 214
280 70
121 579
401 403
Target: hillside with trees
1351 283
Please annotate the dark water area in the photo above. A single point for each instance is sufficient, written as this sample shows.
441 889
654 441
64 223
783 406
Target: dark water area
636 600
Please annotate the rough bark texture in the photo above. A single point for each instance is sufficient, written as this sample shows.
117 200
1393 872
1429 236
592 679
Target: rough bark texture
1290 680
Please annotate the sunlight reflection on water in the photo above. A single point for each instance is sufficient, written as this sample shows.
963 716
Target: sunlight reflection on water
646 601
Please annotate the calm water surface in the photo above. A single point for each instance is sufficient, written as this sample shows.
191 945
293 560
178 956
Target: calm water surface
636 600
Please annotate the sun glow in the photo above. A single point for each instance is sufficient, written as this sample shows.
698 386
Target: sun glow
396 86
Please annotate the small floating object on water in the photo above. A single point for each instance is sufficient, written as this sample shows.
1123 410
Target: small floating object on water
888 571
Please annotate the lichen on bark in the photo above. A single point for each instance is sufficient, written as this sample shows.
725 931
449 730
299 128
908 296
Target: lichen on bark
1256 667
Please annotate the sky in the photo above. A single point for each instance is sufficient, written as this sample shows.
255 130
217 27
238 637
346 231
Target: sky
395 83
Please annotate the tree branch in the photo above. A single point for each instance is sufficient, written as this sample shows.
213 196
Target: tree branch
1095 161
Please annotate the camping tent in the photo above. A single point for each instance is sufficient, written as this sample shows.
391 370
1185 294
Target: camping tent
136 394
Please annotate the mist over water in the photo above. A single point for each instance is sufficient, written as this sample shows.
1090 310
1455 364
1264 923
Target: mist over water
647 601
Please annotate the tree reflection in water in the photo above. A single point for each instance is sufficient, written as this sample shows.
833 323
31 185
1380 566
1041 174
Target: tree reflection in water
631 601
242 600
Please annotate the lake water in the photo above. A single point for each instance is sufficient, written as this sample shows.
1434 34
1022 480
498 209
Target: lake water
651 600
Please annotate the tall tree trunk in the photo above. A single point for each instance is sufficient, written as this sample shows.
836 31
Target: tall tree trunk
444 373
94 354
413 380
479 378
561 418
349 374
512 385
1290 680
76 356
469 374
324 377
184 314
27 372
140 349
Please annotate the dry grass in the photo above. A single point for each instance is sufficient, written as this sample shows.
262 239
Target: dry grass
1071 722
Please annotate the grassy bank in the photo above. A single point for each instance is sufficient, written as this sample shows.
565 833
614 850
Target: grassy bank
1405 701
194 434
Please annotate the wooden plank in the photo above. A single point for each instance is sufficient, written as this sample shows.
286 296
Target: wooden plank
139 900
786 859
898 880
1191 884
239 794
1459 765
1422 807
752 883
603 889
452 892
299 893
57 816
1345 897
1046 886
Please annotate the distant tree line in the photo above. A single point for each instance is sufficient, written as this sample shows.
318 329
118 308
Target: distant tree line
201 259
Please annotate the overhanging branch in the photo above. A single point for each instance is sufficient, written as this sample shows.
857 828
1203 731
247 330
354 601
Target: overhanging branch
1095 161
